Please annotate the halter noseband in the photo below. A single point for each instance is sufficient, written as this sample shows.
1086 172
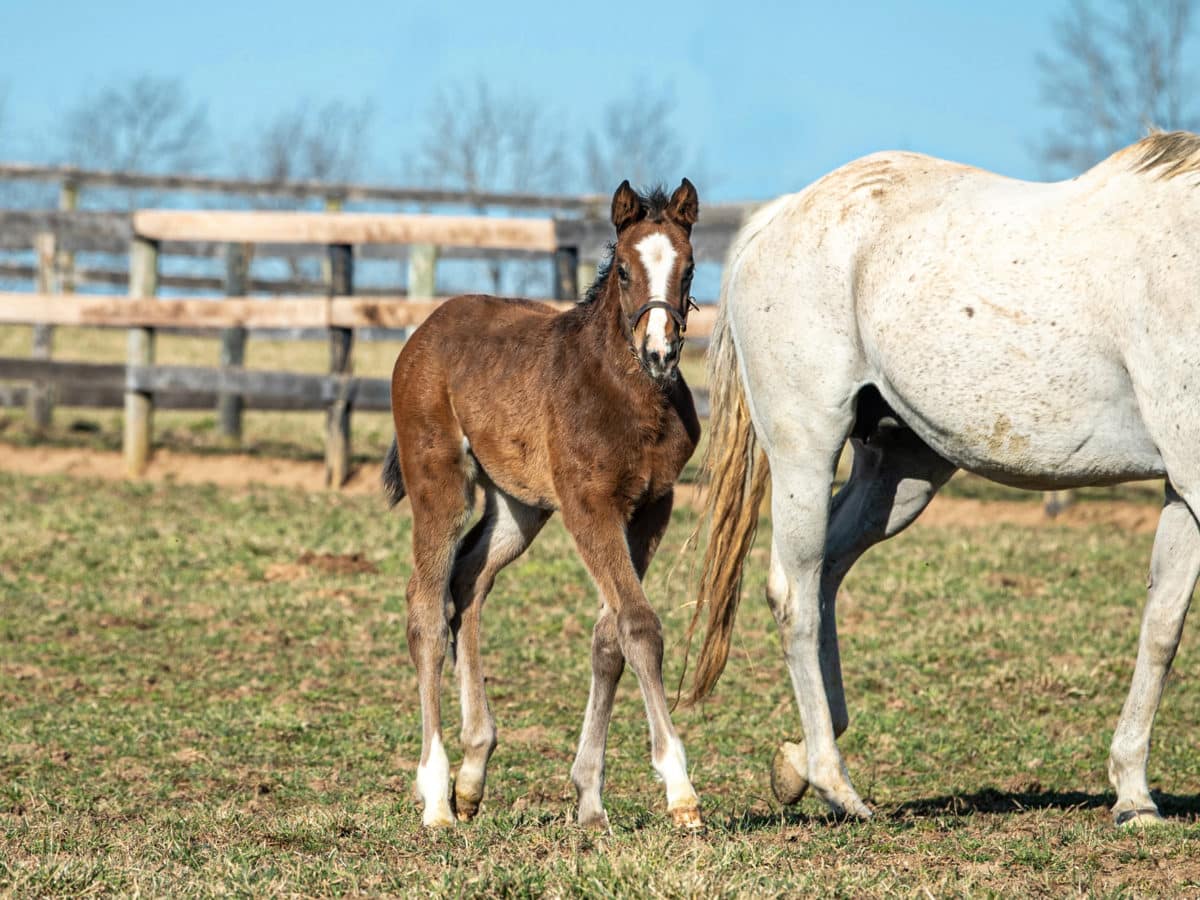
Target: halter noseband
679 317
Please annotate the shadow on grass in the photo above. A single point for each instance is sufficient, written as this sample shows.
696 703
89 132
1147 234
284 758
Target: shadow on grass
993 800
1174 807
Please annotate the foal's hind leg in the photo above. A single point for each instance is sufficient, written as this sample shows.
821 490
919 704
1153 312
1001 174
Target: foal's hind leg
606 550
608 663
1174 569
504 532
894 476
439 486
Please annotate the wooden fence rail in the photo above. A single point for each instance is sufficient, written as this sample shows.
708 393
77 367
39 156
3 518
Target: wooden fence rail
77 178
142 383
572 240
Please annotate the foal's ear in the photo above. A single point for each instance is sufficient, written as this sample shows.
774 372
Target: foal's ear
684 207
626 207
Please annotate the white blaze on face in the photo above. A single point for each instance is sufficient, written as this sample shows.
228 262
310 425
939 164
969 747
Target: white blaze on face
658 258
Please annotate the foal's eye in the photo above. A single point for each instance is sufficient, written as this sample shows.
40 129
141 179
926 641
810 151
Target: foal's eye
623 273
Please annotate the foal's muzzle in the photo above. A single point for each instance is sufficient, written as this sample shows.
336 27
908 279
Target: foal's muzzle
662 366
659 364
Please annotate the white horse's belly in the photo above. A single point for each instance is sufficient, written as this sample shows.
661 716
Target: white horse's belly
1027 406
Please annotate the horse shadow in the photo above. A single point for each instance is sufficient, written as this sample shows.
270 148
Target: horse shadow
990 800
1175 808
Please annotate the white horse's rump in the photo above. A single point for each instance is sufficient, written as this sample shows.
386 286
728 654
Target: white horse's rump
942 317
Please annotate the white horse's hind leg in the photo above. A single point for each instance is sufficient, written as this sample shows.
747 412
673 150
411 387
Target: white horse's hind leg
800 502
1174 569
894 476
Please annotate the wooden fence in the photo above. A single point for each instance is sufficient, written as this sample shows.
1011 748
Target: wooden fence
141 385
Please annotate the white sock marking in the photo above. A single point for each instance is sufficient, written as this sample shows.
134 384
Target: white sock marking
672 769
433 784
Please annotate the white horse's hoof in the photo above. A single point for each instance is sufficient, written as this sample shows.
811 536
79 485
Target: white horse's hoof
1142 817
687 816
438 818
596 821
788 781
858 810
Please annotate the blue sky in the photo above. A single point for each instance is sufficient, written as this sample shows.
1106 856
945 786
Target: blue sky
769 96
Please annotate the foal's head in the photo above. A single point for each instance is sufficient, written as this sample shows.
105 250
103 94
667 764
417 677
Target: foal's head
652 271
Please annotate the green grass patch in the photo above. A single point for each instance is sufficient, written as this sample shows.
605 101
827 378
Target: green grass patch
208 692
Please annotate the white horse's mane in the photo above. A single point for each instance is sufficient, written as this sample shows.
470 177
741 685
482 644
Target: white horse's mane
1162 155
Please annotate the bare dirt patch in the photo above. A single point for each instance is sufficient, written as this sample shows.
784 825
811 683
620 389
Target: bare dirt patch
226 469
238 470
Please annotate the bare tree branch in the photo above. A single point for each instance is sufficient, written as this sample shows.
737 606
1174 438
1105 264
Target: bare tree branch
475 140
308 142
146 125
1114 74
636 139
321 143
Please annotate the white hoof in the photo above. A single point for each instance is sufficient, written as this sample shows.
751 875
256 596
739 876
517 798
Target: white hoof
788 781
438 816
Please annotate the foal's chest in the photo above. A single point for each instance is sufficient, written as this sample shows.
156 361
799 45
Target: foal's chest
664 450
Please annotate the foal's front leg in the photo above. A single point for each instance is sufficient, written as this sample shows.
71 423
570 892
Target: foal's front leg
608 663
606 551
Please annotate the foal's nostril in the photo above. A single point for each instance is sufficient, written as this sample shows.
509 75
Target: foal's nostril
660 363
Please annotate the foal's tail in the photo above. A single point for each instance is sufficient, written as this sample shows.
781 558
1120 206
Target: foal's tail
735 468
393 481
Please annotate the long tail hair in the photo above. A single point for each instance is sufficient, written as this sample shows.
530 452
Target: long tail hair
736 472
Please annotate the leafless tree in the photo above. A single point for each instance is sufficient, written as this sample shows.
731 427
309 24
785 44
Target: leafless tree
147 125
1116 71
476 140
321 143
636 139
309 142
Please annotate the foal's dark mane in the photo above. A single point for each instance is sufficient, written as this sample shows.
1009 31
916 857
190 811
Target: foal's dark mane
654 206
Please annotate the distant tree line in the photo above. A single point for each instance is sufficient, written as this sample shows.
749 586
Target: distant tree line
1114 70
472 137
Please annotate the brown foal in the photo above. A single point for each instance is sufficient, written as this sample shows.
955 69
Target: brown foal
582 411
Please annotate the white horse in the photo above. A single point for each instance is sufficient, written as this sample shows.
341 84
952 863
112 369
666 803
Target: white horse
940 317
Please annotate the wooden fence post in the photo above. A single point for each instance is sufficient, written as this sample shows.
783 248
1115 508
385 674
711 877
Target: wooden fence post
41 403
333 205
585 275
233 340
566 273
139 405
337 426
422 271
56 275
68 201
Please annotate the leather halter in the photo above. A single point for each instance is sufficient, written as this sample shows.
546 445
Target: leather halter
679 317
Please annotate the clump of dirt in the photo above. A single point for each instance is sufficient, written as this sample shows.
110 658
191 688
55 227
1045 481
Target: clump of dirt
338 563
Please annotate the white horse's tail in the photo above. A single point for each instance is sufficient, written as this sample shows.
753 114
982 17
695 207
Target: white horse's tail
735 471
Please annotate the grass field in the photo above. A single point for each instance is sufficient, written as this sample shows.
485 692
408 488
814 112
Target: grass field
207 692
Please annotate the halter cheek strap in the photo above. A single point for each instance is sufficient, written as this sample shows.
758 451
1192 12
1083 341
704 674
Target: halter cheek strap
679 317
